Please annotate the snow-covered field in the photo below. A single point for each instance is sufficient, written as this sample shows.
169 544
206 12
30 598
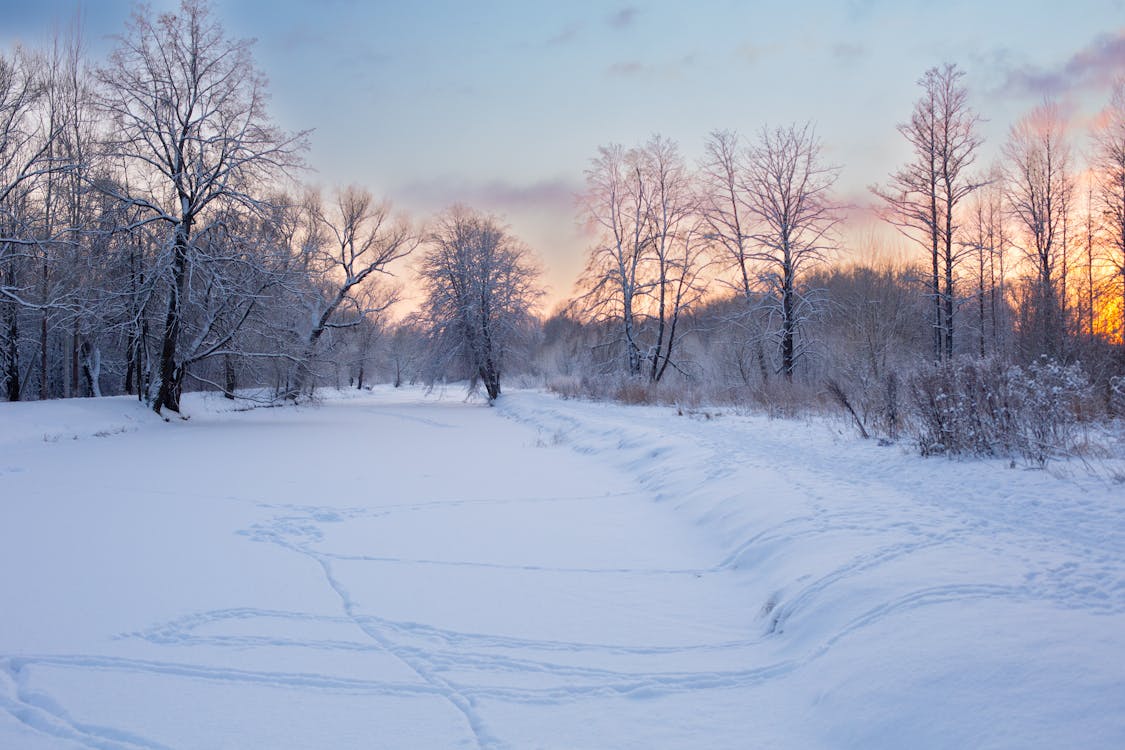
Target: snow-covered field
409 571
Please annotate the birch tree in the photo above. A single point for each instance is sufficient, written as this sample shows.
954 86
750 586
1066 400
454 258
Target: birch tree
985 242
677 242
724 208
643 271
615 207
789 192
1038 192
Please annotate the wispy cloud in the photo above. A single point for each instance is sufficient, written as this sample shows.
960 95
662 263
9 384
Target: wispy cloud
1094 65
847 53
500 196
665 70
627 68
623 18
860 10
750 52
568 34
316 41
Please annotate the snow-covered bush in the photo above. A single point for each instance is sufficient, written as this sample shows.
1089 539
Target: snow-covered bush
986 407
1117 394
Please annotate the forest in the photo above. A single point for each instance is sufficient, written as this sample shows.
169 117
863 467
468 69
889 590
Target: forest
156 237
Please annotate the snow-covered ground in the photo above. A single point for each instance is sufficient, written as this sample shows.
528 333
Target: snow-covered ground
409 571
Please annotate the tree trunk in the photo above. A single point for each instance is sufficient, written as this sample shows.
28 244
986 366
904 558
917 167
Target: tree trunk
12 352
980 301
75 341
130 363
91 369
43 357
633 351
171 372
658 347
491 378
788 323
948 322
230 380
763 367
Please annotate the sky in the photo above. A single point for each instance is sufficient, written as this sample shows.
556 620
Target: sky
501 105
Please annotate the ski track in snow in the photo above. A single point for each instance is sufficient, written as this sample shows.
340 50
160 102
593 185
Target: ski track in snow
466 669
38 711
294 533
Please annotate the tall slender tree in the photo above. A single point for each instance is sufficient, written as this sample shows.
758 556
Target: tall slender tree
1109 170
923 196
724 208
677 243
789 188
615 206
1038 189
26 145
643 273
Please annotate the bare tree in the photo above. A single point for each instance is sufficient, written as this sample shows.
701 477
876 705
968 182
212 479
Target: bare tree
481 286
922 197
724 208
616 205
984 243
1038 188
643 273
25 159
189 127
369 337
677 241
351 244
789 198
1109 170
406 351
71 227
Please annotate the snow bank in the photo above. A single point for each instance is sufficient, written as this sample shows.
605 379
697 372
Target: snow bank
71 419
903 601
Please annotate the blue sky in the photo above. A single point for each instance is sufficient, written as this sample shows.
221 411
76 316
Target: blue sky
502 104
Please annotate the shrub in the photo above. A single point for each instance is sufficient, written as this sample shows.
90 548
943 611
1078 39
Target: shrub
985 407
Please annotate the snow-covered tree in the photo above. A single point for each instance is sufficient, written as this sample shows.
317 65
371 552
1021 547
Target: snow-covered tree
615 206
480 286
1039 188
724 209
350 245
789 193
642 274
922 197
189 127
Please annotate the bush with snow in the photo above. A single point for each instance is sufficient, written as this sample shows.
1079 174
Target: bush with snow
987 407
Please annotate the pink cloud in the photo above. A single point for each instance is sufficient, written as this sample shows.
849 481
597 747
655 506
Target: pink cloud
1095 65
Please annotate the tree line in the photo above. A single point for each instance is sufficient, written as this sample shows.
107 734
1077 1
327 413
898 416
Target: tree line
1023 258
732 275
154 237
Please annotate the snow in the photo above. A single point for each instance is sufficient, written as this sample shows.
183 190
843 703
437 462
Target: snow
401 569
